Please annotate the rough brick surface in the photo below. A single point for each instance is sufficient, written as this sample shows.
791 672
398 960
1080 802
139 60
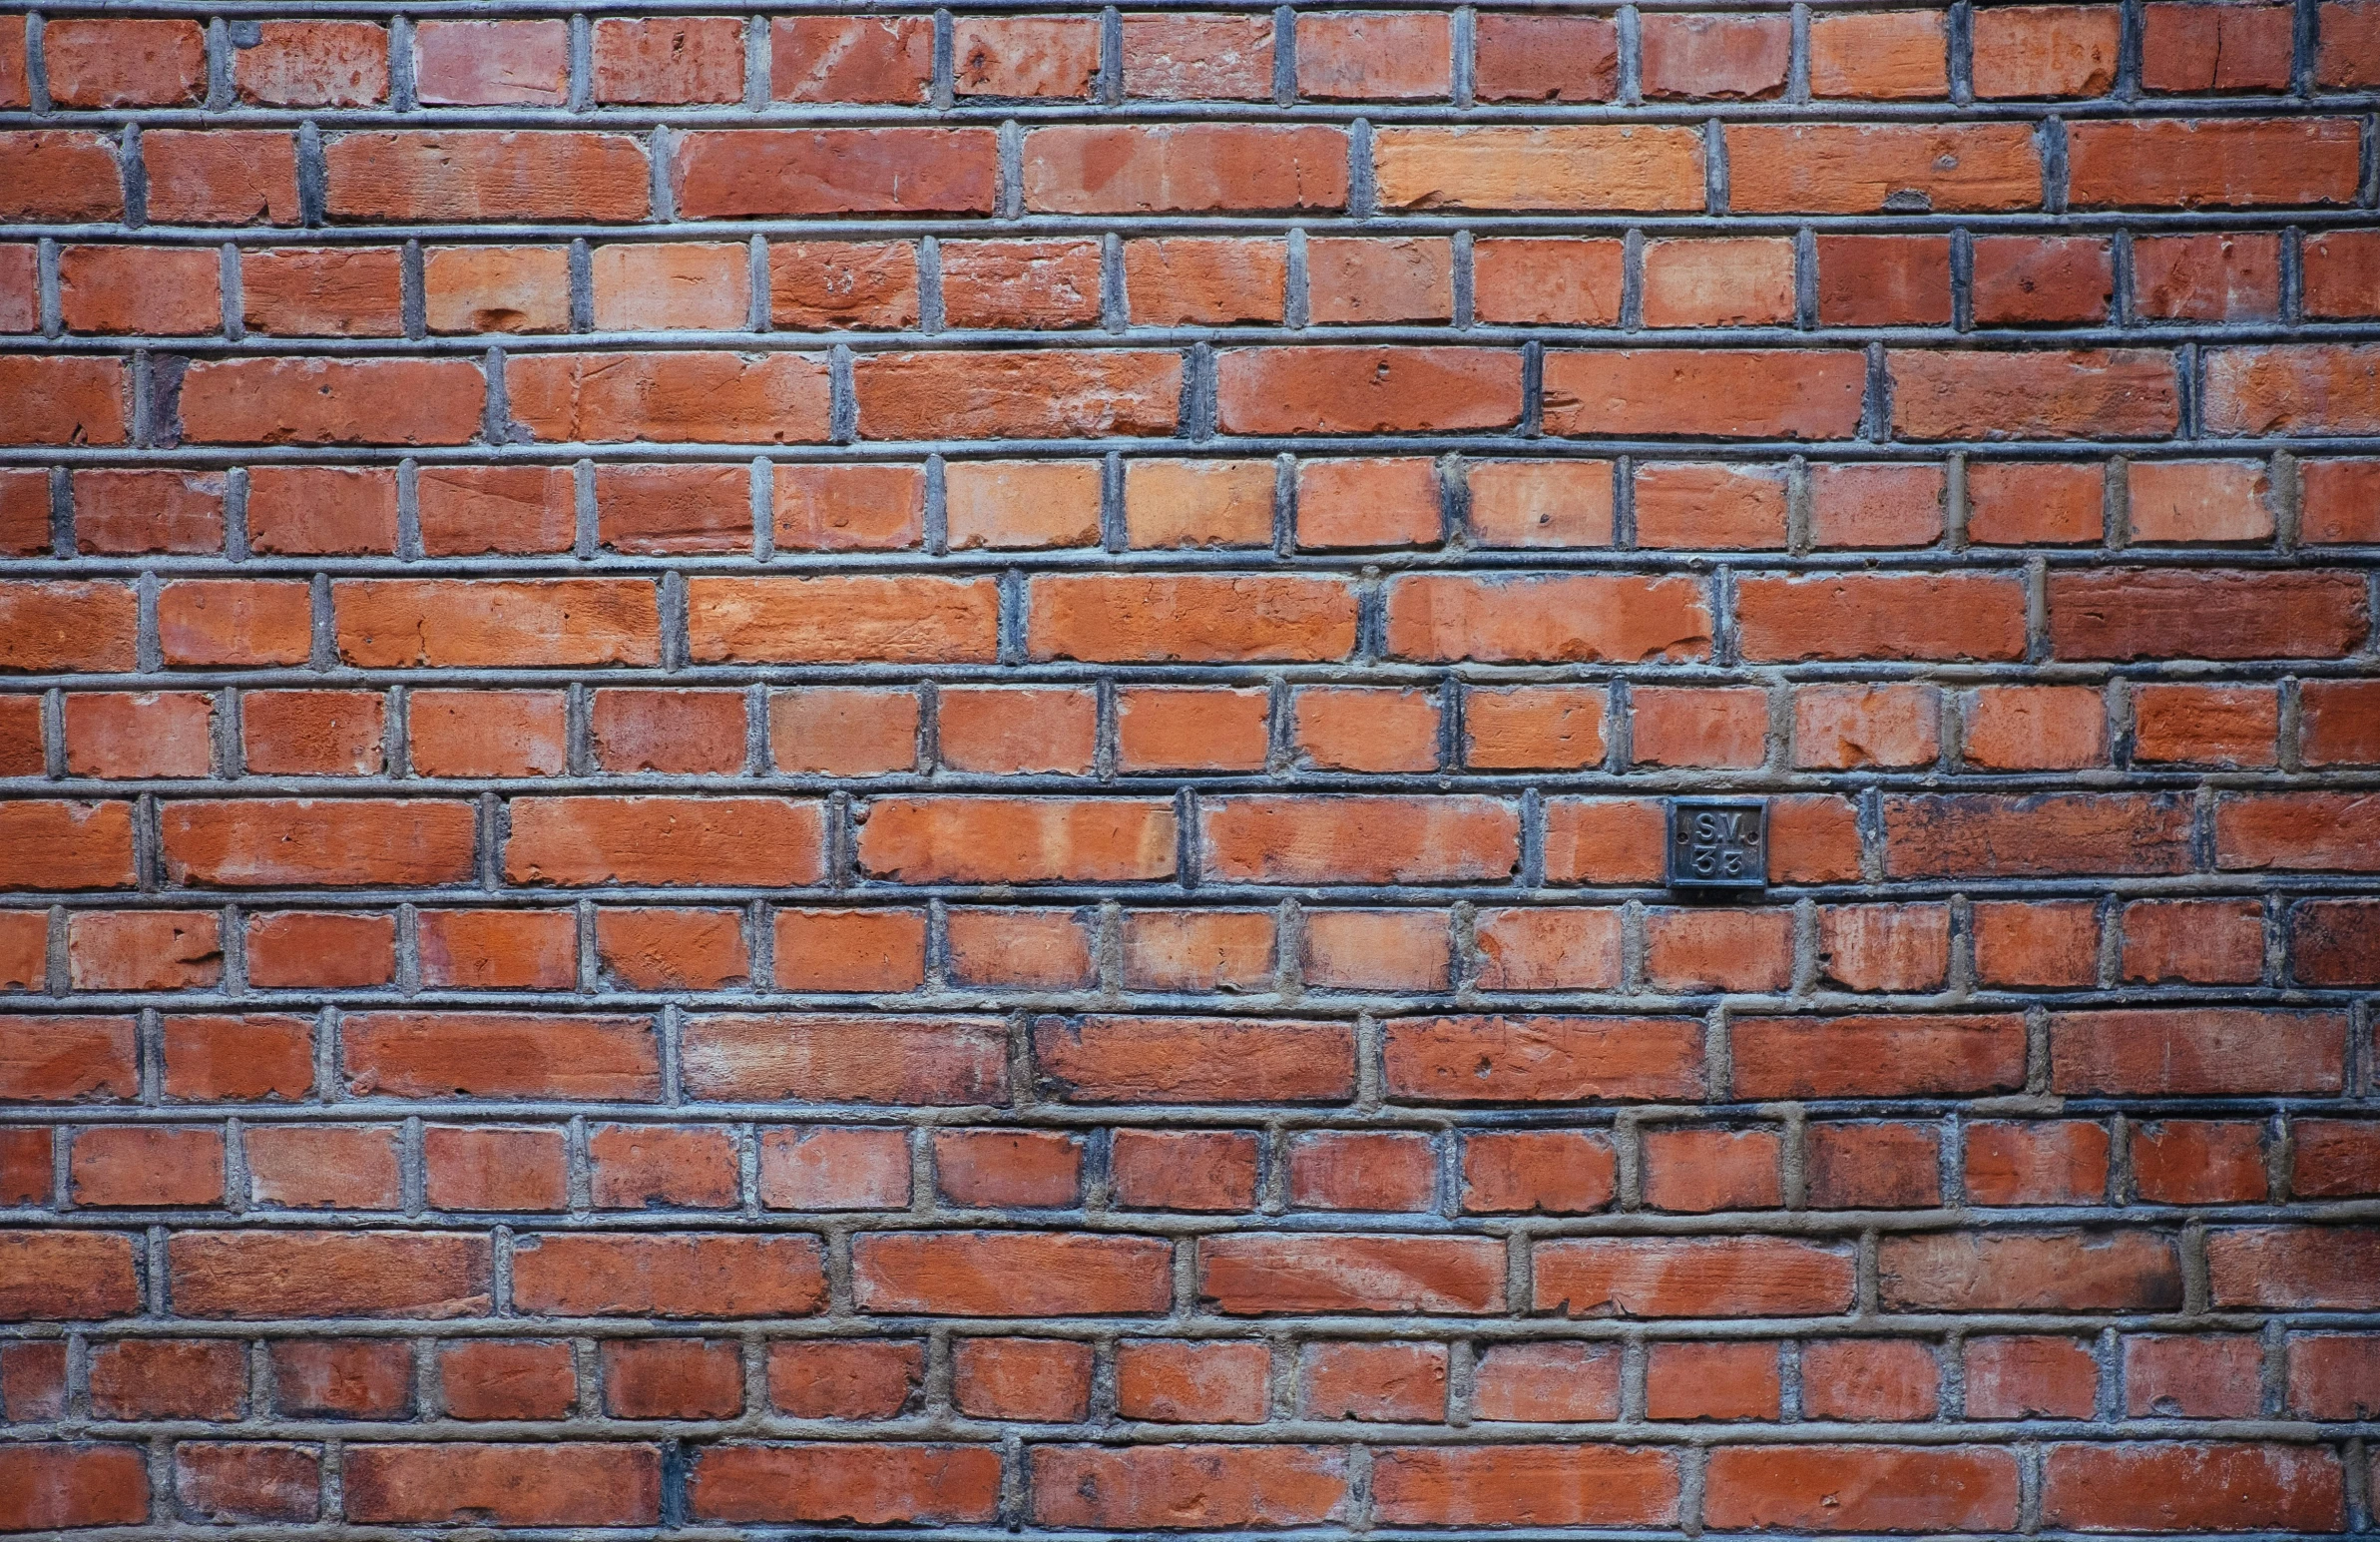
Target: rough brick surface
901 770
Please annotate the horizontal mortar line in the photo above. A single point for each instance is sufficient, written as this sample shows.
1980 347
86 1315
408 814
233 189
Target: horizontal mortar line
1348 671
1318 1004
1209 1327
1449 782
1683 1433
1209 894
1157 786
828 225
1691 563
1778 1224
1920 1323
1602 1115
1514 442
1030 113
1090 337
378 8
1024 1531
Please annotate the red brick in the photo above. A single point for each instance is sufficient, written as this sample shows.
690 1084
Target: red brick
1875 614
2322 831
1726 1379
669 58
1181 169
1199 56
843 1379
1710 505
496 289
672 1378
484 63
1205 1486
1700 1171
496 1380
1191 1170
1550 1383
1021 504
2211 163
2047 1162
2211 278
1009 1273
147 1165
512 1484
2199 1162
72 1275
304 1167
319 948
1878 1056
1367 728
1745 393
158 290
1024 56
2196 941
759 173
636 1166
867 1484
1017 394
1861 1488
2333 1375
2030 1271
1214 1382
1008 1169
1374 56
428 1054
2293 391
2142 1486
252 1482
1872 167
841 619
313 64
342 1377
1543 1059
2197 48
250 1059
1354 390
2084 394
1247 1276
98 62
1038 950
486 732
148 511
2295 1266
1162 617
1552 279
657 1275
429 1275
2340 266
63 175
2335 942
1739 1276
1738 58
1021 284
2206 1050
663 840
1045 1379
886 59
64 401
2048 833
1872 1166
1884 280
2031 1378
57 1485
2045 49
941 1061
1361 1170
2025 279
1017 839
818 1167
1719 950
484 1167
59 845
112 733
1377 1383
1546 1171
1190 729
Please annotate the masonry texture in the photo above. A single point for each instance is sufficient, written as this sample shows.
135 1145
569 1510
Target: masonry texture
772 772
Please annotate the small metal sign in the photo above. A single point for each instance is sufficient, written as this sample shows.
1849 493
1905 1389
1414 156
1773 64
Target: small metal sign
1718 844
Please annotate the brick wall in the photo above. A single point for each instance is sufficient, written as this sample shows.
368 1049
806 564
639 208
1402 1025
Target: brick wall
790 769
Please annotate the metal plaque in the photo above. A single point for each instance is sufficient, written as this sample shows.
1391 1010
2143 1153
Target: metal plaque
1718 844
